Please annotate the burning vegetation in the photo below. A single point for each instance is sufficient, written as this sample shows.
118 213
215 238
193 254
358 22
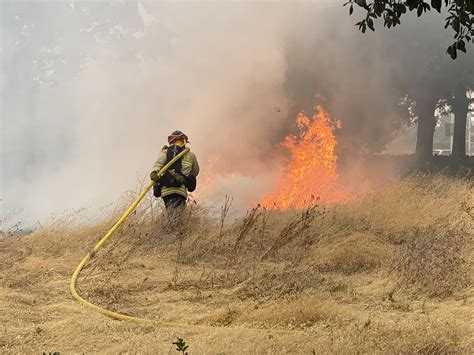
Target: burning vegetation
310 172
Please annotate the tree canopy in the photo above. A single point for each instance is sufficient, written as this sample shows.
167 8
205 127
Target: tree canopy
460 16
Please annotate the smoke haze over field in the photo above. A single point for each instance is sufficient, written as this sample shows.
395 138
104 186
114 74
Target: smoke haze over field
90 90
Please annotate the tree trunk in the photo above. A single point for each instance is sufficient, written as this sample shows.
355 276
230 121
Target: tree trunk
425 108
460 105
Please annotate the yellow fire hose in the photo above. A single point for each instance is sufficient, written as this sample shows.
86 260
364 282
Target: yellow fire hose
85 260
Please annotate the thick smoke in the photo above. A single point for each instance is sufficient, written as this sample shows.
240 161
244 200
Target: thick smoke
90 90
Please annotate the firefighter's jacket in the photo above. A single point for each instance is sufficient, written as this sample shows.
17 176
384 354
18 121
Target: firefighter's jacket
189 166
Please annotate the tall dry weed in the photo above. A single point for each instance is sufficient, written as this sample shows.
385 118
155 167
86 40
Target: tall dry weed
432 262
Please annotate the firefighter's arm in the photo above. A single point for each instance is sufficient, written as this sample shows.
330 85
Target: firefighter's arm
160 162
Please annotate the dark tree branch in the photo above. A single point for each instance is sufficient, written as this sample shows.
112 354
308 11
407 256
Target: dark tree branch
460 16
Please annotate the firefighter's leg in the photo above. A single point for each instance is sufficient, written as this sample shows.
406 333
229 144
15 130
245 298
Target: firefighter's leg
175 205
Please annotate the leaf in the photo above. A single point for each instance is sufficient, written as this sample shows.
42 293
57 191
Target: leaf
412 4
452 51
461 45
362 3
419 11
379 8
436 4
351 9
370 24
464 18
456 24
470 7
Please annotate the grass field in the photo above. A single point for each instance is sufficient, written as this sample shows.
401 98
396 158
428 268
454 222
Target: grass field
391 273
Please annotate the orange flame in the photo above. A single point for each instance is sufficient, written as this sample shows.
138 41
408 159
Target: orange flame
310 173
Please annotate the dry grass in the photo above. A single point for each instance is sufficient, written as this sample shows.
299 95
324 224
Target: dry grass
432 262
389 274
355 253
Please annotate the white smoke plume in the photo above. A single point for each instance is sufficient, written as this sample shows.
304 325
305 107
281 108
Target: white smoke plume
90 91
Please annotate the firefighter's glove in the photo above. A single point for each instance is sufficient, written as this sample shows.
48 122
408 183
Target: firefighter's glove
154 176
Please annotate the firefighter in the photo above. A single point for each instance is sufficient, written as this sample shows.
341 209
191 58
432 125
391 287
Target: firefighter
174 184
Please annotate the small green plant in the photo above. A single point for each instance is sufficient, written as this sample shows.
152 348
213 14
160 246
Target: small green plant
181 346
